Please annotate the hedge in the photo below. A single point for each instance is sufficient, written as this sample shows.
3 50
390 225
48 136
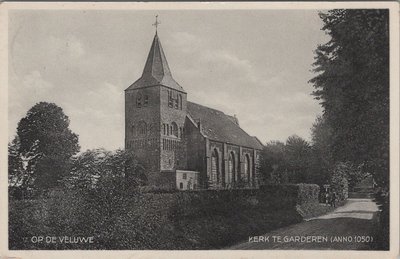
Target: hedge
209 219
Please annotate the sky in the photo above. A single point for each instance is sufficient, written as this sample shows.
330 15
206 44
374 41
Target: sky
252 63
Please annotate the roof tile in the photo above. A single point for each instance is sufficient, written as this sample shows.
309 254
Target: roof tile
218 126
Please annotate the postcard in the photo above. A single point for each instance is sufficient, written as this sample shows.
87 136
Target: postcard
210 130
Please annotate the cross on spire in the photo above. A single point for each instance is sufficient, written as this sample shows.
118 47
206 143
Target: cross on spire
156 23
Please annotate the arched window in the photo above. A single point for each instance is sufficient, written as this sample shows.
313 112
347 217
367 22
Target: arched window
231 167
214 168
180 101
142 128
139 100
146 100
170 104
133 130
174 129
247 168
176 101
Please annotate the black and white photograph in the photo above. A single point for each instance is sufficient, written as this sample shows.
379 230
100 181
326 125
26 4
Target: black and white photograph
208 126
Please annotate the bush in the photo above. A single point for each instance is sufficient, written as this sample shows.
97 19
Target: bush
339 180
165 219
308 193
291 194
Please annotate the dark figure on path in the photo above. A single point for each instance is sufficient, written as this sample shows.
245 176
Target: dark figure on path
333 199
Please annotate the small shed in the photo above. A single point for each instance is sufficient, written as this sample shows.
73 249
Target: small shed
187 180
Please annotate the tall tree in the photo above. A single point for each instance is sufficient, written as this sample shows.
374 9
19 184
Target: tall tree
321 162
46 144
353 86
297 153
272 164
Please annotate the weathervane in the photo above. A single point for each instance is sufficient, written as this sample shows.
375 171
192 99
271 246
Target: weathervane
156 23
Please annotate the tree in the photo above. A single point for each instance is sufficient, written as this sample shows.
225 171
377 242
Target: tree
105 170
321 162
297 153
272 164
286 162
46 145
15 167
122 171
353 86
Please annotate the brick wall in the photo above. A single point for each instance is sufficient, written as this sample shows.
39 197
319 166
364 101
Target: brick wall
195 150
173 148
142 125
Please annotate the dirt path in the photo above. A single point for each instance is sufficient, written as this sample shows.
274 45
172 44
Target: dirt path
342 229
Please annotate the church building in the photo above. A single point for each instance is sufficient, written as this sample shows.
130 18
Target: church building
185 145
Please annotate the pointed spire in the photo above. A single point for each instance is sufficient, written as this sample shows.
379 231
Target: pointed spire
156 70
156 64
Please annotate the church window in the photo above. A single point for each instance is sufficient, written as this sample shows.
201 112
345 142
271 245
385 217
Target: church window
180 101
151 127
176 104
133 130
170 104
146 100
214 167
174 129
181 185
184 176
167 130
139 100
142 128
231 167
246 176
180 132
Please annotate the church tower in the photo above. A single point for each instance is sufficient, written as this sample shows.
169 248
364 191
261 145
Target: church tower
155 112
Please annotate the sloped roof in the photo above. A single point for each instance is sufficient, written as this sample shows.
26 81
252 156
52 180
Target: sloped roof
156 70
218 126
233 119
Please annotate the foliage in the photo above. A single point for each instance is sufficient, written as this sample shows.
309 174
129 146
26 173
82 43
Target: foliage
41 152
286 162
273 162
170 220
339 182
353 87
308 193
16 175
321 162
297 152
111 173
